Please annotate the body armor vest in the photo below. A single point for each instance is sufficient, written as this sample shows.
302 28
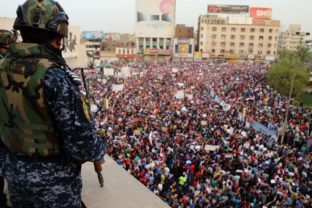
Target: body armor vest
26 125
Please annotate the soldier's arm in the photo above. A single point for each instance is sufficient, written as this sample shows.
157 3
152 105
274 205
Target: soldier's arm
76 131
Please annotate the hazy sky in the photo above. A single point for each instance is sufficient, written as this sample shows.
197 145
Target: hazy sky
119 15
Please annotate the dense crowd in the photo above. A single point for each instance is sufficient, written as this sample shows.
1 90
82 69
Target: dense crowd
190 133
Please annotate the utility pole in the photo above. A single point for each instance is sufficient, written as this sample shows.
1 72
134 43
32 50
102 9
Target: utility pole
287 107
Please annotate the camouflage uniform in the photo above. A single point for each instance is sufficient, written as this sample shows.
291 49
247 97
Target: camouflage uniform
6 39
43 163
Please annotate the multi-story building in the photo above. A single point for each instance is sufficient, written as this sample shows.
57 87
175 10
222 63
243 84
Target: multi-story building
184 43
155 27
292 38
126 50
116 45
237 32
93 40
184 32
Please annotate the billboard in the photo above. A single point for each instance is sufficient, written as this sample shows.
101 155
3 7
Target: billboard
183 48
92 35
155 18
228 9
261 13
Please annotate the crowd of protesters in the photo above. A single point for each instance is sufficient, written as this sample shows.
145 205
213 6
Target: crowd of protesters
187 132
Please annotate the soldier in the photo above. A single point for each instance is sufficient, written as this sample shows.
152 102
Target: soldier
44 124
7 38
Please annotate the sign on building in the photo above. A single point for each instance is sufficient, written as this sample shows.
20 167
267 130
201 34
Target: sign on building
183 48
261 13
228 9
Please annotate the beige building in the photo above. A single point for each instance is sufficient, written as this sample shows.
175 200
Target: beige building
237 37
292 38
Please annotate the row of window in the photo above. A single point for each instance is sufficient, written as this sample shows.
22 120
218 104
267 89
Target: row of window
232 44
235 29
125 51
241 37
213 21
241 52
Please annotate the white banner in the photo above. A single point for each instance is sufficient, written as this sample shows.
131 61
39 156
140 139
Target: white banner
117 88
108 71
179 94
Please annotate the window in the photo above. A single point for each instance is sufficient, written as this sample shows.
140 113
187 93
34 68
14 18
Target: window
260 45
233 29
232 44
251 44
214 36
260 37
201 43
259 52
201 36
269 45
223 29
252 29
270 37
251 37
242 37
241 51
155 17
223 37
166 17
223 44
268 52
202 28
222 51
261 30
250 51
214 28
270 30
231 51
148 42
243 30
232 37
213 50
241 44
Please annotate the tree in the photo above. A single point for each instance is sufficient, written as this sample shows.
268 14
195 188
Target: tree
280 76
303 53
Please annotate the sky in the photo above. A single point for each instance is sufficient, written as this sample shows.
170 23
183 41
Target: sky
119 15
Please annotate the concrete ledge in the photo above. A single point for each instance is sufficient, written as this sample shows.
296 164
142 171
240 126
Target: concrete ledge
121 190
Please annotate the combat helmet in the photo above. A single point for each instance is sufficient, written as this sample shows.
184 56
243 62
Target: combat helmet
7 37
46 15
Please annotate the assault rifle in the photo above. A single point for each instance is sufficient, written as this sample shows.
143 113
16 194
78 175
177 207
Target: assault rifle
97 164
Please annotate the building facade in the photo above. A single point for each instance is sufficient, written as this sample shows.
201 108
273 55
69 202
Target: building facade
237 32
184 44
155 27
126 51
292 38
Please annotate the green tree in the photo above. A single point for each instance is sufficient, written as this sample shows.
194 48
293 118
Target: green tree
303 53
280 76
